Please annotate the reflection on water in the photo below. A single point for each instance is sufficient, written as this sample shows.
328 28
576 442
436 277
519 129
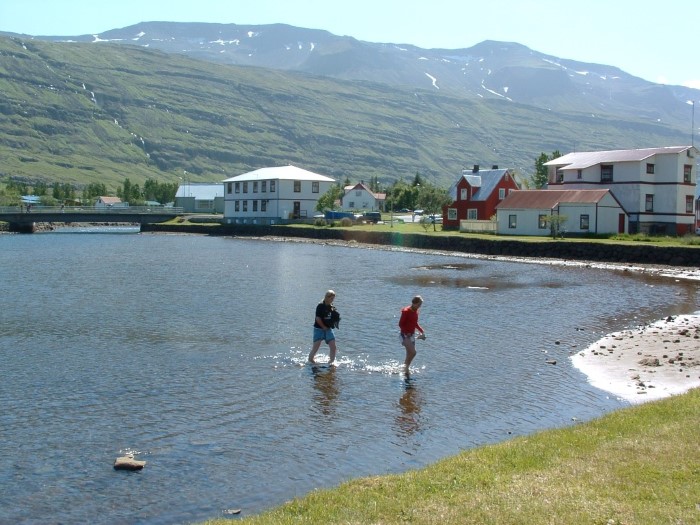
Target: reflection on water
408 418
192 351
325 384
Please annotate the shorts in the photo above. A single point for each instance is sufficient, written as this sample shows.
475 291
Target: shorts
323 335
407 337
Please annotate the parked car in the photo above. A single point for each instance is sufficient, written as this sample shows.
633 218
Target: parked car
436 219
372 216
417 212
697 231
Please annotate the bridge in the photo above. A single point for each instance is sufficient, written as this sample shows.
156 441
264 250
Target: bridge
23 220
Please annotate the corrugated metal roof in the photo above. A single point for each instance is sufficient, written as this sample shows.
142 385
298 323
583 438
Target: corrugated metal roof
586 159
280 173
201 190
548 199
485 180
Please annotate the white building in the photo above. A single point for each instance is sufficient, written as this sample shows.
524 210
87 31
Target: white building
527 212
359 197
200 197
270 195
656 186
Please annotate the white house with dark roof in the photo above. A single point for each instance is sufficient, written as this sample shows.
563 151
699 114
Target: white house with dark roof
358 197
527 212
656 186
271 195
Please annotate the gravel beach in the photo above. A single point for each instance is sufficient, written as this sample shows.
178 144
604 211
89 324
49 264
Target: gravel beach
648 363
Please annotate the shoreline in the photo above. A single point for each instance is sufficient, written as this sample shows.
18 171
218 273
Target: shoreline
648 363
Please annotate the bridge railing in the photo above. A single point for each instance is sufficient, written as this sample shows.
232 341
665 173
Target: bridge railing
92 210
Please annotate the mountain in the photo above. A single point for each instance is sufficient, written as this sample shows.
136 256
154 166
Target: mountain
490 69
159 99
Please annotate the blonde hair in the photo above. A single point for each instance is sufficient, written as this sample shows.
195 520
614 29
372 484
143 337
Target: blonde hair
330 293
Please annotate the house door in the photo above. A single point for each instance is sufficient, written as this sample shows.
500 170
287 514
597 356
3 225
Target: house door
621 223
297 209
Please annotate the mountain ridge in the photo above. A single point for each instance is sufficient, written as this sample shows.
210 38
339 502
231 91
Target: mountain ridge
76 111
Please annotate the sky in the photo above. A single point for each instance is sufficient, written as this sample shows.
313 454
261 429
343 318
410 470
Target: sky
659 42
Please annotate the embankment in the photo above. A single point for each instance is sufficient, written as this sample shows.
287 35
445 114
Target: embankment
578 250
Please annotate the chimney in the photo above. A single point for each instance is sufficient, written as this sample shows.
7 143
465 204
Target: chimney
494 167
475 169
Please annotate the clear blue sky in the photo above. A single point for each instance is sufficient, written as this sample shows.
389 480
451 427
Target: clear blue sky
657 41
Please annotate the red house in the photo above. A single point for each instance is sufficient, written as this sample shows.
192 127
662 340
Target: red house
476 193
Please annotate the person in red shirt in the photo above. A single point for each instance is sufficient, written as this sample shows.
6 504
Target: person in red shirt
408 324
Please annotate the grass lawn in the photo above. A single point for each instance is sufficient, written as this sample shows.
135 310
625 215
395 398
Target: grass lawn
639 465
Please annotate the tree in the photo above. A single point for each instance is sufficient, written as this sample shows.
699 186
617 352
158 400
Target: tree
94 190
541 177
327 201
401 195
556 224
432 199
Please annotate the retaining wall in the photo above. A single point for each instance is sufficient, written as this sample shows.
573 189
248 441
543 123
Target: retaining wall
554 249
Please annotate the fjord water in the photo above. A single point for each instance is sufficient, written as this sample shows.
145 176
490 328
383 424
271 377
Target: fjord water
189 351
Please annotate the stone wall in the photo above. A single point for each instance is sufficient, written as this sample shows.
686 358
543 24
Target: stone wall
644 253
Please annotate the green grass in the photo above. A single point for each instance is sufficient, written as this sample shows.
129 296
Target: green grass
639 465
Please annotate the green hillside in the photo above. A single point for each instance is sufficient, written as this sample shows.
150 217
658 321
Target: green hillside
81 113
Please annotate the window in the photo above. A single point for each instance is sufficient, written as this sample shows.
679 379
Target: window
687 171
451 214
263 186
245 187
272 186
472 214
560 175
351 204
689 201
263 205
255 205
584 222
245 205
501 194
238 205
512 221
314 187
542 222
238 187
229 188
255 187
649 204
464 195
297 186
579 174
650 168
606 173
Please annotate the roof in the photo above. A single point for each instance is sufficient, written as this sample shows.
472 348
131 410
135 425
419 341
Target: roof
111 200
201 190
280 173
548 199
586 159
362 186
485 180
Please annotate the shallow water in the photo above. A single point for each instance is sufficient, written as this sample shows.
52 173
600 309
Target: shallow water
190 352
